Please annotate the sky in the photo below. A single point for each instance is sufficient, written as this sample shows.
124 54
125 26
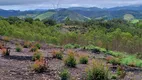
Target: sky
51 4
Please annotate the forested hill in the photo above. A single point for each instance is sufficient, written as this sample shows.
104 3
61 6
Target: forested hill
79 13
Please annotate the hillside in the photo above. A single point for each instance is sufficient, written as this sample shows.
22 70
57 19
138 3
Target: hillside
78 13
64 13
45 15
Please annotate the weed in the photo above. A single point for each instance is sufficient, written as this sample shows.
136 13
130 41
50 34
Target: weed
18 49
57 54
37 56
40 65
65 75
83 59
97 72
70 60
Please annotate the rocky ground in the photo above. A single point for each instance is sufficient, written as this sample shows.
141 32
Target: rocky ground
18 65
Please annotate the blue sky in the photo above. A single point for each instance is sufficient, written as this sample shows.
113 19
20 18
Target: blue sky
48 4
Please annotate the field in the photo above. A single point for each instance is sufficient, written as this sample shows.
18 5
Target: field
72 50
18 65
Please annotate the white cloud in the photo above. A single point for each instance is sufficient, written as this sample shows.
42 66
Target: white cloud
46 4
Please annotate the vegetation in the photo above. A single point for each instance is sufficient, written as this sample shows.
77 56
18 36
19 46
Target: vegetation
70 60
18 49
97 71
83 59
65 75
37 56
27 44
40 66
119 38
5 52
57 54
33 49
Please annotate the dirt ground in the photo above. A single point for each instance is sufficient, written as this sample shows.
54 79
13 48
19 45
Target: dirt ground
18 65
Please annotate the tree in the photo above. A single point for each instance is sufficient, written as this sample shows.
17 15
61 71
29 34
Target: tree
49 22
29 20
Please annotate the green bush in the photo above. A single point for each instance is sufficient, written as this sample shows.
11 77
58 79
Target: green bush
97 72
70 60
18 49
38 45
65 75
57 54
37 56
68 46
40 66
33 49
83 59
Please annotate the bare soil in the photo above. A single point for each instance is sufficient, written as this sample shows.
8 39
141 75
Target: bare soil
18 65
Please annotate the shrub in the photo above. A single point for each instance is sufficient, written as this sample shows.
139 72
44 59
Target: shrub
132 64
37 56
5 38
33 49
71 46
64 75
68 46
70 60
121 72
83 59
97 72
27 44
113 60
57 54
38 45
18 49
5 52
40 66
114 77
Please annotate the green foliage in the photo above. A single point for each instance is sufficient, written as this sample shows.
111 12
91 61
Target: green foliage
83 59
37 45
18 49
37 56
65 75
71 46
97 72
40 66
49 22
29 20
57 54
33 49
46 15
70 60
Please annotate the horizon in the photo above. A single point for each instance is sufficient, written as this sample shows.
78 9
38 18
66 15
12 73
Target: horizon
44 4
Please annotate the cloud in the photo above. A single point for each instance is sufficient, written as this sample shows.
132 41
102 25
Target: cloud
45 4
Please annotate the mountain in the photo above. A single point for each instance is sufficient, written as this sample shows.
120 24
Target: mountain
131 7
29 13
78 13
110 13
61 15
64 13
45 15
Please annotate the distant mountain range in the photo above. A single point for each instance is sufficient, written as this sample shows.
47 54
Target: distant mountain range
78 13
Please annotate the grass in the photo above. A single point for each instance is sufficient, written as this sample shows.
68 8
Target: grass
97 71
42 16
70 61
65 75
126 59
57 54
